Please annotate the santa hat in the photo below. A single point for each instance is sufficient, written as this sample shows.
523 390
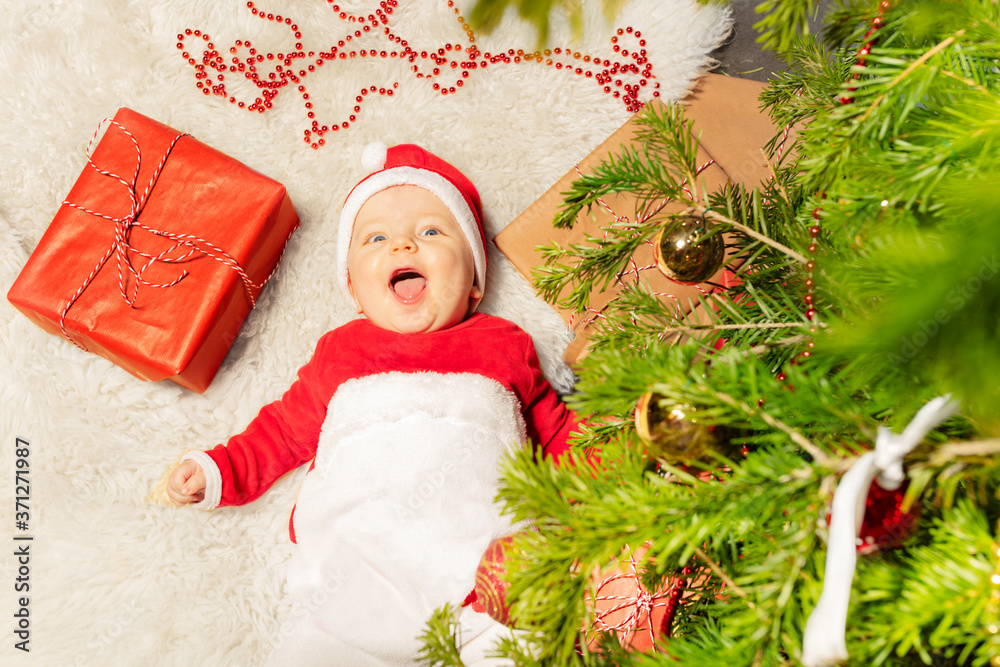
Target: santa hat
408 164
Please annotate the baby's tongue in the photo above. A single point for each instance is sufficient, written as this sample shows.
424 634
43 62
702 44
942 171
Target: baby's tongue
409 288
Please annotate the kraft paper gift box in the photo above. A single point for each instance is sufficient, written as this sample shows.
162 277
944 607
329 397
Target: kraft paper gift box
732 133
157 254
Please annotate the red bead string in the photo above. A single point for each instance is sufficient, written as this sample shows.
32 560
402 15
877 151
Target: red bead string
814 230
445 69
861 58
810 284
674 600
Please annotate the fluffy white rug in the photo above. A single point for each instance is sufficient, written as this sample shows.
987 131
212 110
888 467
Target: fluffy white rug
116 577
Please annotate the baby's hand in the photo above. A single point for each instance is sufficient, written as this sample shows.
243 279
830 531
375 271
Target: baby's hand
186 484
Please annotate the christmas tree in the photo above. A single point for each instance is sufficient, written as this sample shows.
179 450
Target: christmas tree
812 463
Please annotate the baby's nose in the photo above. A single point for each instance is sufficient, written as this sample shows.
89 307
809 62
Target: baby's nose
401 242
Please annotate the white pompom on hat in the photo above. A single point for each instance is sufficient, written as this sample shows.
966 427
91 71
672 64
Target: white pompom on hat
409 164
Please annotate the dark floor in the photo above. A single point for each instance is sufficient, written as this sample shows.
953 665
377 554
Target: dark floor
742 56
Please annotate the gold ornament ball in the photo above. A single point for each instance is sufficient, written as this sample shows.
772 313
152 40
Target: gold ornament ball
685 252
673 433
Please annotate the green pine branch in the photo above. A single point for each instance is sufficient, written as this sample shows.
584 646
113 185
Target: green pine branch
783 21
596 264
661 167
487 14
677 521
440 640
940 593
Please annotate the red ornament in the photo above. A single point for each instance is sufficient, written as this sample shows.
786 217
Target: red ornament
491 586
885 524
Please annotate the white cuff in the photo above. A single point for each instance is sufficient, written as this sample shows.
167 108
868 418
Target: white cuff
213 479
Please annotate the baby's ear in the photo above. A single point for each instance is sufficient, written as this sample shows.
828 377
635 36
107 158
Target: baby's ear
475 296
350 288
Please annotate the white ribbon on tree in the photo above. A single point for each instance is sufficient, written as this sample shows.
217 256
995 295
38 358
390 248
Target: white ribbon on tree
824 641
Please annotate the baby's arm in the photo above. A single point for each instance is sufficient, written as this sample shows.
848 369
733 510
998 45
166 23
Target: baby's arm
549 422
282 437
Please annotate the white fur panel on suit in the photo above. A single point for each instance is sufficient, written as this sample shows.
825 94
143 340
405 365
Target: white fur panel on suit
394 518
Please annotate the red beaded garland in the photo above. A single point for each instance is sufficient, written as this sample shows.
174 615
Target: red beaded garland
810 282
861 59
451 54
814 230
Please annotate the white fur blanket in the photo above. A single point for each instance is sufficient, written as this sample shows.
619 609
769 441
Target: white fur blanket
116 577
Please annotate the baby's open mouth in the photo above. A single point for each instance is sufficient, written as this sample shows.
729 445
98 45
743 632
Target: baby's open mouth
407 283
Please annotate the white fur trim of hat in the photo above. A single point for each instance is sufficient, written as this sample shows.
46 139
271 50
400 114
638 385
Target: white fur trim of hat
408 164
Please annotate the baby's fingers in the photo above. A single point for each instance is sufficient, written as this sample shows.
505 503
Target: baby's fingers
195 484
178 498
186 484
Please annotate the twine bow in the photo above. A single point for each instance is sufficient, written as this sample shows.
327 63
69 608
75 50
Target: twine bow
639 604
190 246
824 641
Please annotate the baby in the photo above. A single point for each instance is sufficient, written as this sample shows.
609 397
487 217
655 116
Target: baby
405 415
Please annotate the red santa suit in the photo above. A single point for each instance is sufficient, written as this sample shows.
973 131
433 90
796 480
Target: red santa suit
406 433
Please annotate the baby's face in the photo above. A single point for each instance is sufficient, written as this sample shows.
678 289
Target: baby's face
409 266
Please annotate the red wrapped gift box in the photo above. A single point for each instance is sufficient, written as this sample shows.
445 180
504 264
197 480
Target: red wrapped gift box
158 253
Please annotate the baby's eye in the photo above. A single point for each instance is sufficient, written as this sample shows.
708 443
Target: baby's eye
430 231
376 238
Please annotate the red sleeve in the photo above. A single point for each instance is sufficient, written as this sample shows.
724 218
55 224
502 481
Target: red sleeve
283 436
548 421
